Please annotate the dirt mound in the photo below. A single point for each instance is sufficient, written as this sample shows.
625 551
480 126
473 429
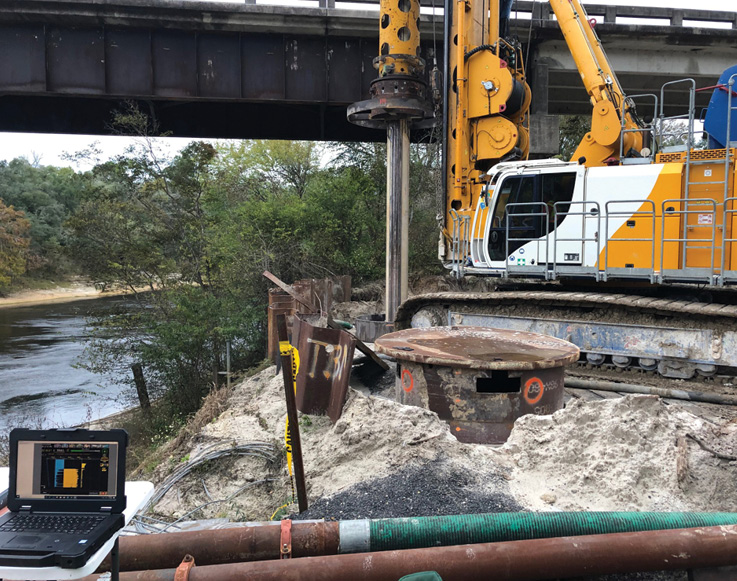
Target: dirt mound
634 453
374 438
386 459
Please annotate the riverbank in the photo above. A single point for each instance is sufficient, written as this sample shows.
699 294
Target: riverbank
72 291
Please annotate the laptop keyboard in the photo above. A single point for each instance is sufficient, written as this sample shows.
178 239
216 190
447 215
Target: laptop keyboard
70 524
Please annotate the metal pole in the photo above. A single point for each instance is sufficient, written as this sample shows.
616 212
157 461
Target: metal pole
295 441
397 215
701 396
115 561
560 557
227 363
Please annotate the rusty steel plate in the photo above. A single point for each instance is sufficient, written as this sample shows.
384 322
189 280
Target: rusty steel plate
478 348
325 360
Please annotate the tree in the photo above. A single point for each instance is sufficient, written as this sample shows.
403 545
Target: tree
47 195
260 169
426 197
14 243
573 128
143 223
197 230
288 164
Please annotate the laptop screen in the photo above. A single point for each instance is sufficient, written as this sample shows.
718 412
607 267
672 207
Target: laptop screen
67 470
57 470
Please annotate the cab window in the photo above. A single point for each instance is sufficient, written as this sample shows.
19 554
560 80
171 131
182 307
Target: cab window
512 227
557 187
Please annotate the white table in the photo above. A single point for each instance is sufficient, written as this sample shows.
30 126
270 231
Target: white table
138 494
4 475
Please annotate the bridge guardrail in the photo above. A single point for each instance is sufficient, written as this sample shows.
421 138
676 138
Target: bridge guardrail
606 14
541 11
523 10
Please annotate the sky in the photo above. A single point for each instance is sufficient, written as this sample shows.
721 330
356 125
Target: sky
47 149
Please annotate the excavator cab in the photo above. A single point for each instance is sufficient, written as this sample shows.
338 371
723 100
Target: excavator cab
516 217
526 208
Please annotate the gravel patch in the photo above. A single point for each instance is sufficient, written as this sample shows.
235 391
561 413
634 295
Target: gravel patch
432 489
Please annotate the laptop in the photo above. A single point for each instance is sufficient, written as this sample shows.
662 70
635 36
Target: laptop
66 496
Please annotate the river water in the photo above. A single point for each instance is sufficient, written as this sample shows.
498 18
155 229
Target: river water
39 383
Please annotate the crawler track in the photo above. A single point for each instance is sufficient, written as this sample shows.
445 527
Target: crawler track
677 338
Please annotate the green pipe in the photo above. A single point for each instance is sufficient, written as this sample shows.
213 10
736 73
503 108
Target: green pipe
435 531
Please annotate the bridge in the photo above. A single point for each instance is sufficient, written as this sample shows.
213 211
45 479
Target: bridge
252 70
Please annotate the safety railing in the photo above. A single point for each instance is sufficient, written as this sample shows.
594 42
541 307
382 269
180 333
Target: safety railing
630 219
460 242
689 134
590 210
728 141
728 274
690 116
549 259
526 10
524 263
706 212
728 242
687 240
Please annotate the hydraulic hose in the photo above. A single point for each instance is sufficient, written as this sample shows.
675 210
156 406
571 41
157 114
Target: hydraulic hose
411 533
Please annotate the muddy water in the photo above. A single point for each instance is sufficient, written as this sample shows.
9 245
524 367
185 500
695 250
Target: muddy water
39 383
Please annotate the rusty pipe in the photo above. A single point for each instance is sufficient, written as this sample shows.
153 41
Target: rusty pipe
683 394
256 542
678 549
397 216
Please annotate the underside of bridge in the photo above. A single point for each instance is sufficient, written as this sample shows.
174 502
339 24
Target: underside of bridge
254 71
185 118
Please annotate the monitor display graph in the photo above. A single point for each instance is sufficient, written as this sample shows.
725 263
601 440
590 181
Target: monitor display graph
74 469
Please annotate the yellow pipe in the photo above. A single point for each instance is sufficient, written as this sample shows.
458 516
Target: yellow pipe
461 97
399 38
606 67
569 22
494 23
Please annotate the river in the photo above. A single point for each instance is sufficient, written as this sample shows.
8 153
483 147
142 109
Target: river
39 383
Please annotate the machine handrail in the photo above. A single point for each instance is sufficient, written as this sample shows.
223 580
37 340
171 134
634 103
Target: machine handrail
650 214
510 214
686 211
583 239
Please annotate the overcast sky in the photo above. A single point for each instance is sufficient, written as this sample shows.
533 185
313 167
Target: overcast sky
50 149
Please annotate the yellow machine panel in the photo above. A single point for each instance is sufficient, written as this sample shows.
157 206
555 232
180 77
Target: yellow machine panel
638 242
490 85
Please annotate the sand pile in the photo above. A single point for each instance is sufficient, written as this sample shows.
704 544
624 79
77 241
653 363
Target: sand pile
634 453
374 438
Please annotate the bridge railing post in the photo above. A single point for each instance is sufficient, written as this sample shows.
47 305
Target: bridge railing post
610 15
677 18
540 11
329 4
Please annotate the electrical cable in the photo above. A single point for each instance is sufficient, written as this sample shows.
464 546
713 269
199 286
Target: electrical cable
262 450
231 497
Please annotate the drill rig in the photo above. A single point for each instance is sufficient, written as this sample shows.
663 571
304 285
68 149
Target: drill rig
632 209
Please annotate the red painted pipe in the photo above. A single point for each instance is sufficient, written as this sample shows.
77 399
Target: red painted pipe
516 560
209 547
